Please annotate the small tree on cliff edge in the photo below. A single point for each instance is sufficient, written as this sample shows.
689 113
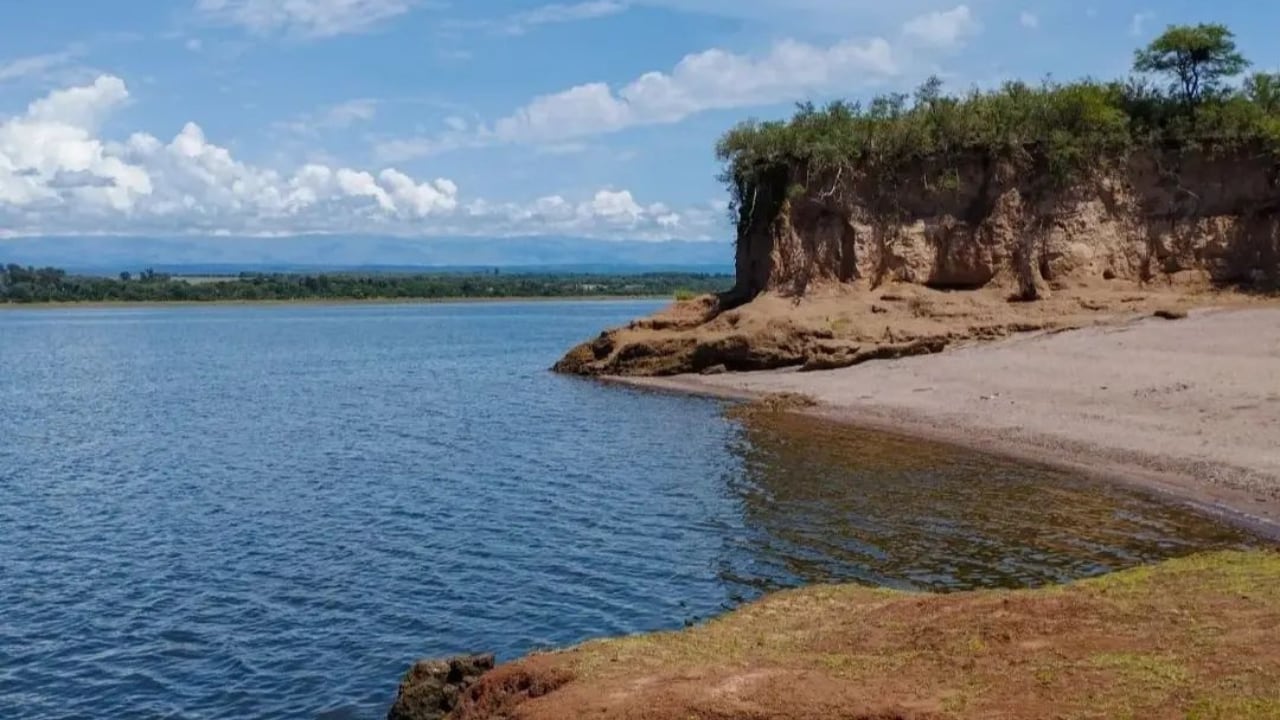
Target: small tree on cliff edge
1198 58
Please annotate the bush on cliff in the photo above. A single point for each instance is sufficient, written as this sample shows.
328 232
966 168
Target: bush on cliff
1060 128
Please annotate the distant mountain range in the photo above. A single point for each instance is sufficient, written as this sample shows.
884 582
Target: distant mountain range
216 255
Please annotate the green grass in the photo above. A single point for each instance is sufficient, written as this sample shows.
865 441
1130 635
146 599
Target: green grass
1123 645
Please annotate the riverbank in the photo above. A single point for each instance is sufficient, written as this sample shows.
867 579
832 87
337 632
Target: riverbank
1188 407
1191 638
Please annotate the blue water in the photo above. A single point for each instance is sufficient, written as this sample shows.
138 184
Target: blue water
244 512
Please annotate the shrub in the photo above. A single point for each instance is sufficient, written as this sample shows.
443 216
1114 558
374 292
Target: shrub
1062 128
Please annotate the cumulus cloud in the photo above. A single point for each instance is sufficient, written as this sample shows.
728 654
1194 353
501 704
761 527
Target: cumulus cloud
57 175
54 167
710 80
608 214
942 29
311 18
1029 20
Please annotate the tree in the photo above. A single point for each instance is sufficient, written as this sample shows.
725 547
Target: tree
929 92
126 276
1197 57
1263 89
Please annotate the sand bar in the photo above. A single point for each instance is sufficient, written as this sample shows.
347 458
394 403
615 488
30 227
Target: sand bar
1188 407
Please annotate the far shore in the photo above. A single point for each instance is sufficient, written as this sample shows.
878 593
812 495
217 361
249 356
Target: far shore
1187 408
119 304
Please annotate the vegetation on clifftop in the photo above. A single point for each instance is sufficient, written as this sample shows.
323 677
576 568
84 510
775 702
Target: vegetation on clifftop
1182 95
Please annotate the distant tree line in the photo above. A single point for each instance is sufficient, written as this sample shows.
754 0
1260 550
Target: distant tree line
53 285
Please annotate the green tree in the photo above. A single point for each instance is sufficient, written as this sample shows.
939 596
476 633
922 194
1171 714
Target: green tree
1198 58
1264 90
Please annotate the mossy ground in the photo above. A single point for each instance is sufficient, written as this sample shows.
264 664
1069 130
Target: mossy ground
1191 638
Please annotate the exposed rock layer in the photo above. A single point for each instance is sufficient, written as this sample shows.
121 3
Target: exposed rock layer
835 269
1187 216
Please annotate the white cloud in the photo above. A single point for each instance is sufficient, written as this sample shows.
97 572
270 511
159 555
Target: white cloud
50 152
608 214
335 117
54 167
714 79
350 112
57 175
555 13
942 29
35 65
565 148
1029 20
619 206
82 107
311 18
819 15
1138 25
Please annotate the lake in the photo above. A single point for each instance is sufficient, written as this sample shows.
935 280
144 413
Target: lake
243 512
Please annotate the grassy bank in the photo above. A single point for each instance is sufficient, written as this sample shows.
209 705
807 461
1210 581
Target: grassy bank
1194 638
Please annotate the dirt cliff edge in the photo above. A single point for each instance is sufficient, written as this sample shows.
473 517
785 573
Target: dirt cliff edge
835 268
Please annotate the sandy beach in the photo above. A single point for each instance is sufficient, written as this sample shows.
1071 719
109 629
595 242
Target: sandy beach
1188 407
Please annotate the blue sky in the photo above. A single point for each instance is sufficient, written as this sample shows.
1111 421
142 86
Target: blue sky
594 118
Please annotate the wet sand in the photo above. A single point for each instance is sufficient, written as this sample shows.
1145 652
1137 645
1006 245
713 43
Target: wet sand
1188 407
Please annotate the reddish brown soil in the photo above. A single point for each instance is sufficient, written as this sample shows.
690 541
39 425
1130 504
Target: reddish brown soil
1194 638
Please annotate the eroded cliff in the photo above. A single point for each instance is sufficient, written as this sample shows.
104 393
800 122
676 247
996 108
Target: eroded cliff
835 267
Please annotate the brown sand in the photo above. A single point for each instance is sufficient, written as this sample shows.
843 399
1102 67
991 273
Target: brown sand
1190 407
842 325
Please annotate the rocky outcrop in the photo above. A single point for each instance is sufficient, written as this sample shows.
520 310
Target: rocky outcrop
836 267
470 688
432 689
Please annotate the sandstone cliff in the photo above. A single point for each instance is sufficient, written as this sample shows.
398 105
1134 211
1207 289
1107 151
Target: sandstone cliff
1184 216
837 267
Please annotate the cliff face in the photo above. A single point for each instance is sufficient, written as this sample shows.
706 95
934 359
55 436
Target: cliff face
1177 216
835 268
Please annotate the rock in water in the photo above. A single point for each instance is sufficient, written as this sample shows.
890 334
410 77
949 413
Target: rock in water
432 688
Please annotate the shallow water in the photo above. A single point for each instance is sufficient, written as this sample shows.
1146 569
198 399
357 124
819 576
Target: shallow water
235 512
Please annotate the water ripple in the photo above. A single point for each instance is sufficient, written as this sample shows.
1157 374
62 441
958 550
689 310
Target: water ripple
268 512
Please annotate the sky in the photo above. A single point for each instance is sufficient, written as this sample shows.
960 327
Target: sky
494 118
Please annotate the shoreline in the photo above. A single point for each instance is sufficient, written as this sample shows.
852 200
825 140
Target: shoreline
122 304
1094 409
1192 637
